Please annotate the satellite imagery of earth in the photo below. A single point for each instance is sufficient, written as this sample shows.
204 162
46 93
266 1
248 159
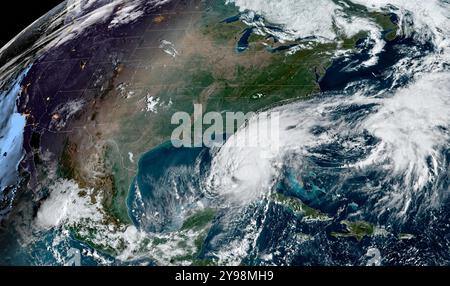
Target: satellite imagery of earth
125 129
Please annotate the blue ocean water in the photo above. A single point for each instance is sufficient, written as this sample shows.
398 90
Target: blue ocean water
12 126
349 69
167 180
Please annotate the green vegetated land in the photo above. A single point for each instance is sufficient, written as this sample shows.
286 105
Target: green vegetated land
244 87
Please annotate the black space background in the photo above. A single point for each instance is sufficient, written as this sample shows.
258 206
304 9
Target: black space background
18 14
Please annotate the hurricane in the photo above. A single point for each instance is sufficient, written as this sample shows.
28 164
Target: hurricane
359 161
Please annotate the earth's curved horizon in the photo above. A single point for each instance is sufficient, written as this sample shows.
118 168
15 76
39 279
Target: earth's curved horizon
90 95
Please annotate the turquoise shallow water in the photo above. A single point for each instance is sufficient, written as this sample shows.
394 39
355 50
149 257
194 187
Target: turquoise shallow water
168 180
